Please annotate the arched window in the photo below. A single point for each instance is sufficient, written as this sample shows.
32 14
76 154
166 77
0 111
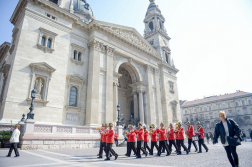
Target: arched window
49 43
160 24
55 1
151 26
43 41
167 57
79 56
75 54
73 96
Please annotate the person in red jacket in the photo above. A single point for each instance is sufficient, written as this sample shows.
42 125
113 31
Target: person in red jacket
153 134
171 136
140 140
131 141
116 139
101 143
146 139
191 133
201 131
110 140
180 137
162 140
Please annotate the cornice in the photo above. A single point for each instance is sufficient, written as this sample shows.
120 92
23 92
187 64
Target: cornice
76 78
164 34
169 67
18 10
78 47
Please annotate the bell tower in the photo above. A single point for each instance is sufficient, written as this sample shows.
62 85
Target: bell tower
155 32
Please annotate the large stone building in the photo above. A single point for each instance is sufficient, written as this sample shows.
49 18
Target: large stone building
82 68
237 106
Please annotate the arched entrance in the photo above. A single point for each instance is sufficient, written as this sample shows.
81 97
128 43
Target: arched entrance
128 100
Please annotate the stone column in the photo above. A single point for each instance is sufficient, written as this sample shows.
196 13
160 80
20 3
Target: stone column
146 112
158 94
92 108
141 107
109 85
135 104
115 101
151 104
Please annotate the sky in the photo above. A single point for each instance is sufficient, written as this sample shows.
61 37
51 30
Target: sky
211 40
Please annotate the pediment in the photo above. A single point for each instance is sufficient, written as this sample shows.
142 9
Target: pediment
76 78
129 35
43 66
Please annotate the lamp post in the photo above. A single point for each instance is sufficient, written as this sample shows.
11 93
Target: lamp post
118 110
30 115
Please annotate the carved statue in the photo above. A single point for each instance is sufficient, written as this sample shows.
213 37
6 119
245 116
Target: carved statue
39 86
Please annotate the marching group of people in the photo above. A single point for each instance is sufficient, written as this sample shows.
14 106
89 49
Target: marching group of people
175 136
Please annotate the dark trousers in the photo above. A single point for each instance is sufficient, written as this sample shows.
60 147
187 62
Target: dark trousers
102 148
139 147
201 142
180 143
131 146
116 142
153 143
146 146
190 143
162 144
13 146
232 155
109 149
172 142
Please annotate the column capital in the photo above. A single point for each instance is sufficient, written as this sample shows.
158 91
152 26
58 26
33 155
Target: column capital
110 51
96 45
157 71
140 91
149 68
134 92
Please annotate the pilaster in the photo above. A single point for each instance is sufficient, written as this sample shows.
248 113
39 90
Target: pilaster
158 94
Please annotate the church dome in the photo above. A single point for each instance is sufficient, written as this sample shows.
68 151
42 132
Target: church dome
83 10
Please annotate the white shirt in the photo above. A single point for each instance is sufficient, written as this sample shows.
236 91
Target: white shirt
227 133
15 136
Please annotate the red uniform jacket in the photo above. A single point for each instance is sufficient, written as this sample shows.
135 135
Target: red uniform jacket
191 132
180 133
154 135
131 137
171 134
146 136
201 132
110 136
162 134
101 134
140 134
116 136
104 138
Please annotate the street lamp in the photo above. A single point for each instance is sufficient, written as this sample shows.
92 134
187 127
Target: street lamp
30 115
118 109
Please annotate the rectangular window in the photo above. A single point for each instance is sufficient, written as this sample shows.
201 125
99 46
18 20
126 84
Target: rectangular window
206 116
243 102
236 104
238 112
245 111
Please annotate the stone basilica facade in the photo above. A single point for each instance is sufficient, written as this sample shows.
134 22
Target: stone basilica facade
82 68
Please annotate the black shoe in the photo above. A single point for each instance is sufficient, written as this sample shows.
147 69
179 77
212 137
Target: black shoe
168 154
207 150
138 157
178 153
151 154
163 151
146 154
99 157
158 155
200 152
107 159
116 156
17 156
8 156
187 152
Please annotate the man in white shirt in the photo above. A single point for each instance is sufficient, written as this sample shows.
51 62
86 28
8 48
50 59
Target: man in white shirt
14 140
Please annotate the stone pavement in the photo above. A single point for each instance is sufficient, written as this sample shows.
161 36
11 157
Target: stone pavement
216 157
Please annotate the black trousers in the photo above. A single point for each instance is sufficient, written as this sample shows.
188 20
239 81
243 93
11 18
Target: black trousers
232 155
102 148
131 146
162 144
146 146
153 143
190 143
116 142
13 146
109 149
139 147
180 143
201 142
172 142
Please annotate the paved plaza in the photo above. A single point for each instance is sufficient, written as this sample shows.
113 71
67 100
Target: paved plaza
216 157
